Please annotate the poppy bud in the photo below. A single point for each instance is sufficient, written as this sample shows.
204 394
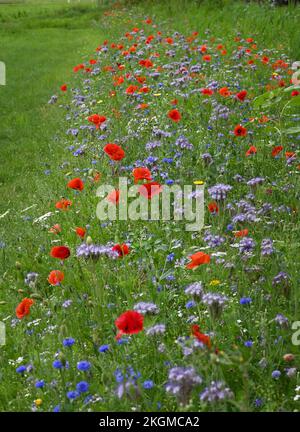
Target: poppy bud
37 296
63 330
62 358
95 337
288 357
18 265
89 240
214 358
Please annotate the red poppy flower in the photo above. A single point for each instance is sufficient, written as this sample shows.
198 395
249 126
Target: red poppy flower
23 308
122 249
263 119
213 207
144 89
169 40
239 130
55 277
114 197
295 93
289 155
148 190
131 89
252 150
63 87
146 63
205 339
242 95
197 259
141 174
96 176
129 322
61 252
97 120
174 115
114 151
207 92
242 233
55 229
80 232
140 79
78 67
118 80
63 204
142 106
276 150
76 184
206 58
224 91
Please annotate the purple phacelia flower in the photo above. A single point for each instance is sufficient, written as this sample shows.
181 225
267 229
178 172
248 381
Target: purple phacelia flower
216 392
219 191
181 381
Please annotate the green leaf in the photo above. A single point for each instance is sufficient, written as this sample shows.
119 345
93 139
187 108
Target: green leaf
292 130
266 99
295 101
291 88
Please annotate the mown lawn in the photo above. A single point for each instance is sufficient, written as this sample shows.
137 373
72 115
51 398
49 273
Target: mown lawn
40 43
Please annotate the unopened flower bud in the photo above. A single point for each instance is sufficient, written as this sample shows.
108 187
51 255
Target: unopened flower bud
288 357
89 240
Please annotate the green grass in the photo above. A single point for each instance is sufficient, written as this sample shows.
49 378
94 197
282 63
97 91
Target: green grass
39 47
40 44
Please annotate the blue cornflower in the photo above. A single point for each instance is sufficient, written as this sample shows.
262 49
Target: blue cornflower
122 341
40 384
88 399
248 344
57 364
276 374
82 386
190 304
83 365
245 300
21 369
167 160
73 394
148 384
103 348
68 342
258 402
119 376
56 408
170 257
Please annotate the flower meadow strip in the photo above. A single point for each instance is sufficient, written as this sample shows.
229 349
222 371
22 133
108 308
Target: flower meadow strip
144 315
